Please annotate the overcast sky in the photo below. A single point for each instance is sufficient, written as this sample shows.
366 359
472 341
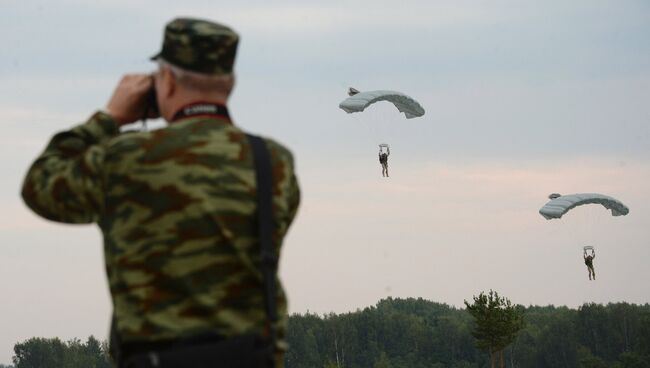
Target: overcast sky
522 99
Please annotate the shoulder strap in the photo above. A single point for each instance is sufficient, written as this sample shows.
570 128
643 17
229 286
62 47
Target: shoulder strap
263 177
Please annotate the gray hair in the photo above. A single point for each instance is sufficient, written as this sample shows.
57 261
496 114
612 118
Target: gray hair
200 82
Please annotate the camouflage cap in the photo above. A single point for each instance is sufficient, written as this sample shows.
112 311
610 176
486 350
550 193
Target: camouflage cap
199 45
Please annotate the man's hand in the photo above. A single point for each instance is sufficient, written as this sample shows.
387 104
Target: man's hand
128 103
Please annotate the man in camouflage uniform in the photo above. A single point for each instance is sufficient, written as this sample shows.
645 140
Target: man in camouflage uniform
176 206
383 160
589 262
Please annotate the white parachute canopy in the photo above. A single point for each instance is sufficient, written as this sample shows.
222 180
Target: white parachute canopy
358 101
562 204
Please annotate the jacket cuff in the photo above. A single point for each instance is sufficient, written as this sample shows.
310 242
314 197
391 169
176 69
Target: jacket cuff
101 125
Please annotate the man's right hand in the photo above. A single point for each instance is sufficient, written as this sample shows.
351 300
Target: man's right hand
129 100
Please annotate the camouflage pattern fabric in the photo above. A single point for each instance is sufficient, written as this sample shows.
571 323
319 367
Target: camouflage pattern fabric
200 46
177 209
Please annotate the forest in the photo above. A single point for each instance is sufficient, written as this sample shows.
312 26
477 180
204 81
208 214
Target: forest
414 333
417 333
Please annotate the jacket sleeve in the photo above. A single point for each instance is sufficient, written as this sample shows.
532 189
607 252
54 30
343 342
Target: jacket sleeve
294 196
65 183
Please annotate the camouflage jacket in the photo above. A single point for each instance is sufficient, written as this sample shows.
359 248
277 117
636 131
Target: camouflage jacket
177 209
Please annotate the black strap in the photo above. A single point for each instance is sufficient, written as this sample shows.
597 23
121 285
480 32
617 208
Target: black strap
201 108
263 177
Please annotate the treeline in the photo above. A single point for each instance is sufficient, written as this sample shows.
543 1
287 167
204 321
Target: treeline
39 352
416 333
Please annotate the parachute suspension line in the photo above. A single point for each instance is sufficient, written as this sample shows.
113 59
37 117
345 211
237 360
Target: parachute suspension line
559 205
359 101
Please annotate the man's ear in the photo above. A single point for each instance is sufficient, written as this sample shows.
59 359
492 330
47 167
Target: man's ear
169 82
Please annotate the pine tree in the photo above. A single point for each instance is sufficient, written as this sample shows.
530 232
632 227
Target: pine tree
497 323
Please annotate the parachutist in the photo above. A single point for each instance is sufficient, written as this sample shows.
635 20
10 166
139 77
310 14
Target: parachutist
589 259
383 159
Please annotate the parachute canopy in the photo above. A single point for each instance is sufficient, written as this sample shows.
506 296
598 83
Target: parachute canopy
557 207
358 101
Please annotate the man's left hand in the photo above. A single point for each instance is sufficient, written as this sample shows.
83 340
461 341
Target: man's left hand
128 103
